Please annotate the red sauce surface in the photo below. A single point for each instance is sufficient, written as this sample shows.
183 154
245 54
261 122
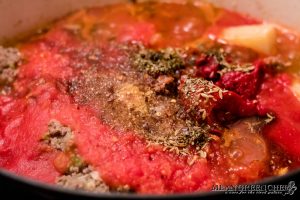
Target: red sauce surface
124 157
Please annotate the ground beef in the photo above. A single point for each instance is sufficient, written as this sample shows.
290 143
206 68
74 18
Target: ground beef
9 57
58 136
86 179
7 75
76 173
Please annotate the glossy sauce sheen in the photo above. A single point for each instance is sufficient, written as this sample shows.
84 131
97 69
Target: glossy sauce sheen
121 156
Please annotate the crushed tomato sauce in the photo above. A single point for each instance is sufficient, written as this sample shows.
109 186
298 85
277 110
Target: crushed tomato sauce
216 114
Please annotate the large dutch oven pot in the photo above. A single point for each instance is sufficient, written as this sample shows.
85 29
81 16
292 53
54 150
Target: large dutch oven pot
19 17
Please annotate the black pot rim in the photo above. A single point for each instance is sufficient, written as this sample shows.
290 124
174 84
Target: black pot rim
44 187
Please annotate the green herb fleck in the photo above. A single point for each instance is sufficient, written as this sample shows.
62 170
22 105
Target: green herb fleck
155 63
194 88
77 161
183 139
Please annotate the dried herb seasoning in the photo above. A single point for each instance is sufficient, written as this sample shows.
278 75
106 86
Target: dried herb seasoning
158 62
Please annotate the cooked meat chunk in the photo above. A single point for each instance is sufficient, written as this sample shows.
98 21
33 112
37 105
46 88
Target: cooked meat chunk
9 57
77 174
87 179
58 136
7 75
